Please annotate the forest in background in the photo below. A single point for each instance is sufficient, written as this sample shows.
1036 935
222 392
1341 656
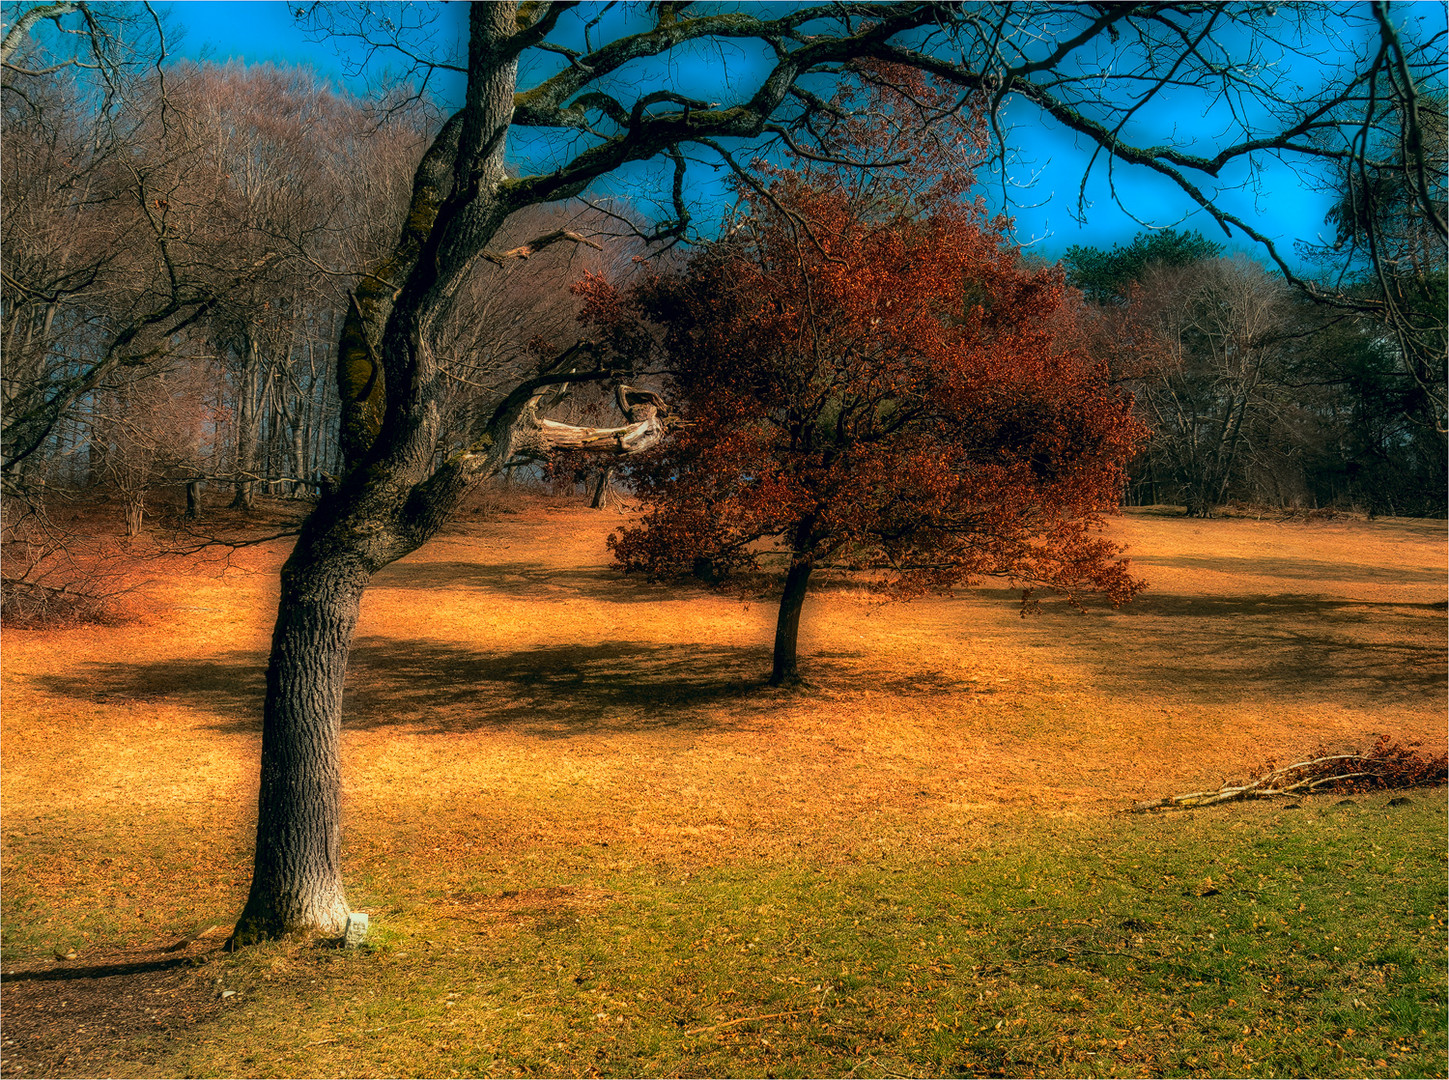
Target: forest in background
205 231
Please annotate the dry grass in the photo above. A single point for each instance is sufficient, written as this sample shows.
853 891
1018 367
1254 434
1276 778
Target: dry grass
523 719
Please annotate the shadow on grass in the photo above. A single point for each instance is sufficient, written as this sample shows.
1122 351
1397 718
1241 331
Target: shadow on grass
99 971
1316 609
1213 648
550 692
1264 644
1292 568
530 581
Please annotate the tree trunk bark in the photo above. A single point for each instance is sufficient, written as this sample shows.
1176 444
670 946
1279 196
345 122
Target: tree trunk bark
787 628
1199 503
392 494
135 511
245 496
297 416
297 877
193 500
603 490
248 424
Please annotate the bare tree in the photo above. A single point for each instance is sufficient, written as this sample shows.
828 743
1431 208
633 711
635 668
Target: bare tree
98 272
1219 327
149 430
511 313
292 173
1387 258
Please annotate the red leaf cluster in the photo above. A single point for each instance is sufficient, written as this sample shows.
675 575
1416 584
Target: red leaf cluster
871 375
1387 765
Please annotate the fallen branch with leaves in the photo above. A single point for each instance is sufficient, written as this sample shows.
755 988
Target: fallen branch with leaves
1386 765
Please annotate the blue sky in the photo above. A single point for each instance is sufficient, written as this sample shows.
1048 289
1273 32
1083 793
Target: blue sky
255 31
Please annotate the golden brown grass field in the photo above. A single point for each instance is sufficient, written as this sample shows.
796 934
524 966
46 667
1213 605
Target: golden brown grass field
591 840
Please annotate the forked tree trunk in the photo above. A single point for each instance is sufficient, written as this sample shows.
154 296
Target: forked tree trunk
135 513
245 496
787 628
1199 503
297 877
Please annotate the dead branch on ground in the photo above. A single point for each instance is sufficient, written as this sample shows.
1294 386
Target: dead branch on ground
1386 765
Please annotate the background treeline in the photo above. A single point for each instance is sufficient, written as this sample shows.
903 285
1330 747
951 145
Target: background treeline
177 260
1255 393
179 254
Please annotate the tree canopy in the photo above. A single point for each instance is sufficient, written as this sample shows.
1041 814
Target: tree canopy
878 382
1106 275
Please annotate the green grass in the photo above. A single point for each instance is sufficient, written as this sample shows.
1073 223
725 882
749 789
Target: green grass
1253 940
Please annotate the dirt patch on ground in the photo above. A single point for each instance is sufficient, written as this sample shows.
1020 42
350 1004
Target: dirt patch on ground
88 1016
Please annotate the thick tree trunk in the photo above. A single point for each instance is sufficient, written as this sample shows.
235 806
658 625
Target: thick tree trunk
787 628
393 494
245 496
378 517
193 500
297 877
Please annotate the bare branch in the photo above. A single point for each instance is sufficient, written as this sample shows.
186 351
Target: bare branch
537 244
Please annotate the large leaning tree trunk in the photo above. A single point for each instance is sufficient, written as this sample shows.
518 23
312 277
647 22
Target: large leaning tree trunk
353 533
392 496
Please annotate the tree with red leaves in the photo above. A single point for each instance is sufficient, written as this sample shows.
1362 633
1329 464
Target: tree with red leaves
875 380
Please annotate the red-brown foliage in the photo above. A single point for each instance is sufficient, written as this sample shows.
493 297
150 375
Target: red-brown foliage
882 382
899 394
1387 764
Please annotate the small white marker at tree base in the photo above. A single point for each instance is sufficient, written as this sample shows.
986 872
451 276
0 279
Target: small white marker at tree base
356 930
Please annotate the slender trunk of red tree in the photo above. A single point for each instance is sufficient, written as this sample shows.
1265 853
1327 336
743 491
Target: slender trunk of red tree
787 628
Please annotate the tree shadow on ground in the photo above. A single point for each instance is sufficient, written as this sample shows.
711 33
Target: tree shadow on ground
1282 606
1207 648
1267 645
97 971
1293 568
84 1019
552 691
556 691
532 581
